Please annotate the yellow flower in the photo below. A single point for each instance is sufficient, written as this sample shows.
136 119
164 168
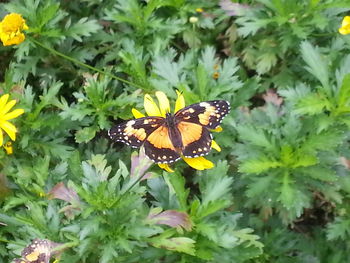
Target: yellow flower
152 109
8 148
199 10
11 28
5 115
345 26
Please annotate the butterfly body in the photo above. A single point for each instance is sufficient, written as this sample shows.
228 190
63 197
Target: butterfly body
186 133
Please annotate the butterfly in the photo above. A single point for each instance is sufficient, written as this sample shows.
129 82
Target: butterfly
39 251
165 140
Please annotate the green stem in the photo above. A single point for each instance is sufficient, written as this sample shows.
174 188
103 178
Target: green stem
83 64
133 184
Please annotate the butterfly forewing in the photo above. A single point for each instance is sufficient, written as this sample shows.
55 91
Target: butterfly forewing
135 132
208 114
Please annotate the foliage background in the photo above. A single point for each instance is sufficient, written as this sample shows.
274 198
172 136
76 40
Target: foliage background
280 188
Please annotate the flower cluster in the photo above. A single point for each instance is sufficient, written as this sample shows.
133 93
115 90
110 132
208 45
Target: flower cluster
11 28
5 116
152 109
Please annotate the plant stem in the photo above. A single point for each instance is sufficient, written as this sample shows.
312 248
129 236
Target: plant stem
53 51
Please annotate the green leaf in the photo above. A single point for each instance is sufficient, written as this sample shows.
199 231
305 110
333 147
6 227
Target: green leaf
179 244
258 166
344 92
83 27
86 134
178 183
255 136
339 229
316 65
312 104
265 62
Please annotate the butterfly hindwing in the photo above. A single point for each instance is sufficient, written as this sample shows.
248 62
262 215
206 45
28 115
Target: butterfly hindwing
39 251
208 114
134 132
159 148
196 139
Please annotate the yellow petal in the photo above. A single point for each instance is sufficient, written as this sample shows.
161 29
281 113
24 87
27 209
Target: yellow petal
344 31
3 100
346 21
199 163
8 106
166 167
150 106
137 114
180 101
9 128
215 146
217 129
1 138
163 102
13 114
345 26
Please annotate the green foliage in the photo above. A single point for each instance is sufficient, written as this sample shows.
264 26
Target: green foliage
279 191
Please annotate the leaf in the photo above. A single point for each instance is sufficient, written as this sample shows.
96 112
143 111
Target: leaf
86 134
292 198
171 218
179 244
164 67
316 65
265 62
178 184
312 104
255 136
344 92
339 229
83 27
258 166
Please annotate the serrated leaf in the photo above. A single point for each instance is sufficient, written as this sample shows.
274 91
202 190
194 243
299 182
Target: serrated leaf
339 229
255 136
315 63
86 134
179 244
265 62
83 27
258 166
344 92
312 104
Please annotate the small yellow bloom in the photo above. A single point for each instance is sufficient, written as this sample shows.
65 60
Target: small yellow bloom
345 26
5 115
193 19
11 28
8 148
199 10
152 109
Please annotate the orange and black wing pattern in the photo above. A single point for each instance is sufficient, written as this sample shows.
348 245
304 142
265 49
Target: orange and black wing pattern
194 122
159 147
39 251
208 114
196 139
135 132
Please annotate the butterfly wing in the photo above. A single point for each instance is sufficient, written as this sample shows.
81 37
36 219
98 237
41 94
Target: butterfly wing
193 123
196 139
152 132
39 251
135 132
159 148
208 114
